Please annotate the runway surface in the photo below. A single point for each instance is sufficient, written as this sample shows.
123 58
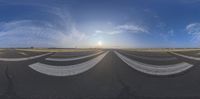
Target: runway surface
106 74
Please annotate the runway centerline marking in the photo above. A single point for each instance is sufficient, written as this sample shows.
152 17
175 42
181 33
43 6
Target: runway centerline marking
155 69
185 56
72 59
23 59
69 70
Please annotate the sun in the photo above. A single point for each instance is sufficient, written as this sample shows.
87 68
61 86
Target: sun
99 43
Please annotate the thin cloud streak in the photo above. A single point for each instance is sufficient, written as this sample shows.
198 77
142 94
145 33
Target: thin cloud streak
193 29
125 28
33 31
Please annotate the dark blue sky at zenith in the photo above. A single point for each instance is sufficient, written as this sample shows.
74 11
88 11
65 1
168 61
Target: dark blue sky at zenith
115 23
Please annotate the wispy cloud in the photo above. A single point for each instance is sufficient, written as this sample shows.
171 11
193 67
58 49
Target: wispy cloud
167 35
61 32
70 36
125 28
194 30
26 33
131 28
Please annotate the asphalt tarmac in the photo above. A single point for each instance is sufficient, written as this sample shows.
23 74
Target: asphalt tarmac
110 78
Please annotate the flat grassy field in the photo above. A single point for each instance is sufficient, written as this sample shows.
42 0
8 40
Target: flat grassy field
2 49
163 49
57 50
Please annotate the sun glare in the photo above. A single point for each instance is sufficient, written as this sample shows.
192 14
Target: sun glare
99 43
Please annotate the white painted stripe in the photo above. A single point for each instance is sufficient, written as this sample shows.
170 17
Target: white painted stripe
72 59
185 56
155 69
67 70
22 53
23 59
154 58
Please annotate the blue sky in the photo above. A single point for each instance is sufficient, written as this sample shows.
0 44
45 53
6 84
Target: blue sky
115 23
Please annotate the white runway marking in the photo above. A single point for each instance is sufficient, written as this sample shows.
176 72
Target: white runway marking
23 59
22 53
155 69
72 59
154 58
67 70
185 56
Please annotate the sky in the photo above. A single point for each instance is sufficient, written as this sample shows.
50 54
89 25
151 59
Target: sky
100 23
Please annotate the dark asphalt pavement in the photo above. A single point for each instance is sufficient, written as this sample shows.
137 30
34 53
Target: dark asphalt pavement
111 78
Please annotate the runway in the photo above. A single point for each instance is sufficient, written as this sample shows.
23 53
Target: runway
105 74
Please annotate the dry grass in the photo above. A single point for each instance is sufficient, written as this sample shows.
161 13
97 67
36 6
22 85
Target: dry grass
57 50
2 49
163 49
